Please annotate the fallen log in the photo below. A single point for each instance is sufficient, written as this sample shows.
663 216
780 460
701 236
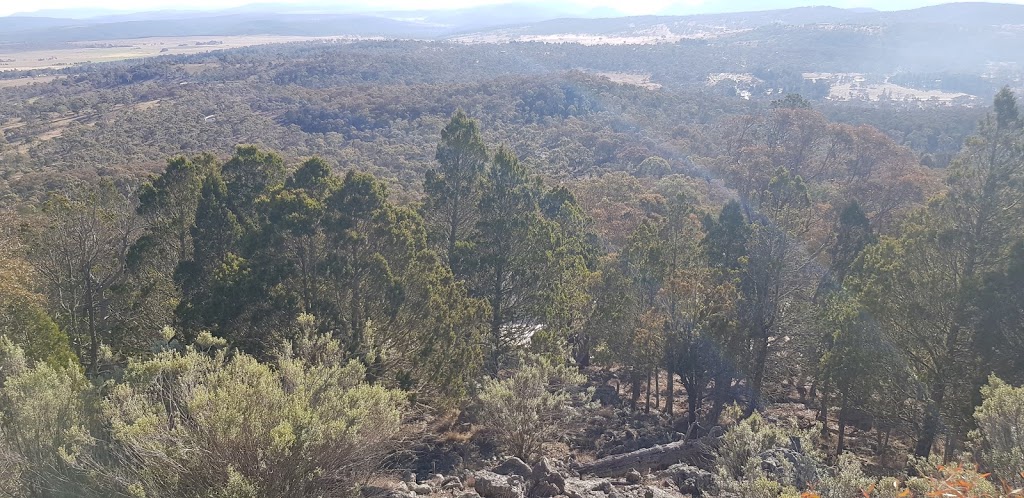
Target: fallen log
696 452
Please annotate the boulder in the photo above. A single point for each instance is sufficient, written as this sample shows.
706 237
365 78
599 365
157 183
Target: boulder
452 483
653 492
492 485
692 480
513 466
587 488
546 479
789 467
545 489
420 489
606 395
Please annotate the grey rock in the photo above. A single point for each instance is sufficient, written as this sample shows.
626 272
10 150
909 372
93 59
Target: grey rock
716 432
421 489
691 480
789 467
513 466
452 483
634 477
586 488
653 492
543 468
545 489
545 474
606 395
492 485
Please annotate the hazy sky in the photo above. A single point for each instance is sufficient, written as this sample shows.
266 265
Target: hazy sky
8 7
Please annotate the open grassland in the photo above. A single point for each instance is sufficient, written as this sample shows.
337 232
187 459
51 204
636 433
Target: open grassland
115 50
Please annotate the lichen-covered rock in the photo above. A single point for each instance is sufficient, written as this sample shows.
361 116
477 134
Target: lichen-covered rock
513 466
492 485
587 488
545 489
606 395
452 483
654 492
420 489
693 481
545 477
789 467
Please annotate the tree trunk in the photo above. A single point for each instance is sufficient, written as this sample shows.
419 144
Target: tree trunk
670 396
930 427
758 381
496 311
94 343
647 404
635 394
453 227
696 452
823 410
693 396
583 351
723 382
842 426
657 388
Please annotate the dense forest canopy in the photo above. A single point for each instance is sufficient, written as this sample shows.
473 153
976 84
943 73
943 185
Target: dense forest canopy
305 269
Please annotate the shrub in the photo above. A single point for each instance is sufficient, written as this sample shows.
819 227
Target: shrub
43 435
1000 433
740 464
957 481
530 407
194 424
846 480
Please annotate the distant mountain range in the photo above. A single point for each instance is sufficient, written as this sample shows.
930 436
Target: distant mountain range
977 26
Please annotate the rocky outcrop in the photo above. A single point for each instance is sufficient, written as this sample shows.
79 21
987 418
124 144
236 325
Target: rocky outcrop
513 466
788 466
693 481
546 480
493 485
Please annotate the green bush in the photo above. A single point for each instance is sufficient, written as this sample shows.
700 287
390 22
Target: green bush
1000 433
530 407
739 458
43 434
846 480
195 424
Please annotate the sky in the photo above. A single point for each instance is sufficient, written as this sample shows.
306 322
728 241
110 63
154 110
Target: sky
631 7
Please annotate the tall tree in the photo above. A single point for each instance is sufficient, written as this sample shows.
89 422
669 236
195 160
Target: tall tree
509 260
80 254
934 272
775 281
23 316
453 187
215 237
725 247
251 174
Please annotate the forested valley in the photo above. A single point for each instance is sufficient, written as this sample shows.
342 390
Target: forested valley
400 268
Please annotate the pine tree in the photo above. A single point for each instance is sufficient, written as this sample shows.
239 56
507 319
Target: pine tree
453 187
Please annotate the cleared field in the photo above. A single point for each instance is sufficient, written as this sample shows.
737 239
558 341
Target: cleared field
640 80
114 50
26 81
